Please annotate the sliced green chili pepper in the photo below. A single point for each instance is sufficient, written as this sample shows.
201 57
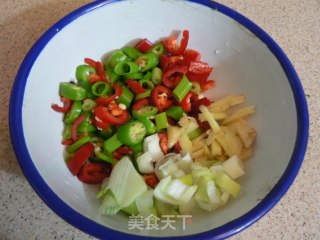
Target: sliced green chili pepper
146 84
82 75
194 134
145 94
88 104
196 88
74 112
147 61
157 49
137 148
112 143
116 57
132 133
126 96
161 121
123 68
106 133
150 126
131 52
137 75
175 112
146 111
106 158
147 76
182 88
72 91
67 131
100 89
156 75
112 76
85 126
76 145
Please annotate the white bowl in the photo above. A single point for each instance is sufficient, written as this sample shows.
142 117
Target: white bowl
246 61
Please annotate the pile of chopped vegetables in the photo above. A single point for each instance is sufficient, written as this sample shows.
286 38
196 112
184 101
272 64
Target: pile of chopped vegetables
138 124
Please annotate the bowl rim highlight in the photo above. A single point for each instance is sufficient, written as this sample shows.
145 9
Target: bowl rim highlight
100 231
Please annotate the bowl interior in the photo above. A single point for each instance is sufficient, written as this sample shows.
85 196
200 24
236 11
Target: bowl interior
242 65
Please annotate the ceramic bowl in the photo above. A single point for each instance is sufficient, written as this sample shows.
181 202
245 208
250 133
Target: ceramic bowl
246 61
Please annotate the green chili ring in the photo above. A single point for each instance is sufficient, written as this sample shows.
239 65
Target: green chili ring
145 94
131 52
146 111
196 88
136 75
88 104
156 75
123 68
146 84
76 145
100 89
157 49
72 91
74 112
131 133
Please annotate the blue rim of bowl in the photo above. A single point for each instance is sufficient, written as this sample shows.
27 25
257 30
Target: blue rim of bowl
100 231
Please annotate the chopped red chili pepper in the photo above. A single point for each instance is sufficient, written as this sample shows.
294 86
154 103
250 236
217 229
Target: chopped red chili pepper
177 147
199 72
163 142
151 179
98 66
204 125
116 117
99 123
207 85
107 100
171 121
125 150
90 62
140 104
160 97
172 76
80 157
172 47
93 78
144 45
67 142
94 173
196 103
167 62
186 102
74 126
135 86
191 55
116 155
66 105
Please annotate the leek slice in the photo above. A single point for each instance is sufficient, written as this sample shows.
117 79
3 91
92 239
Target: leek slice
227 184
234 167
184 163
125 183
208 196
109 205
145 204
179 191
160 194
131 209
164 208
152 144
190 207
144 163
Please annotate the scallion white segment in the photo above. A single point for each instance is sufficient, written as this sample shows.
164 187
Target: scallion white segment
124 186
151 144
